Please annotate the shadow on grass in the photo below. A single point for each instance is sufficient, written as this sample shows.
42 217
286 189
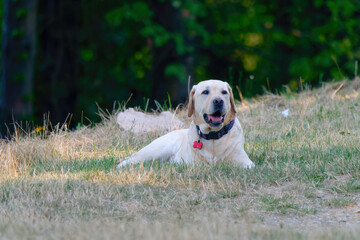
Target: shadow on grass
73 166
312 167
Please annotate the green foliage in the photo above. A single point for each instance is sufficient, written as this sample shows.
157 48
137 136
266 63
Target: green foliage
148 49
18 33
261 40
21 13
19 77
176 70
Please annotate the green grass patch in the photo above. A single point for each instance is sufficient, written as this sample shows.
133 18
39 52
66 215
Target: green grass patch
307 167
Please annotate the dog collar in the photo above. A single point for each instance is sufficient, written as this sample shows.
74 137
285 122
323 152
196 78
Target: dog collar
217 134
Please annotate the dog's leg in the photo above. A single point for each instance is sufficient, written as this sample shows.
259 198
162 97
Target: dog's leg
162 148
241 158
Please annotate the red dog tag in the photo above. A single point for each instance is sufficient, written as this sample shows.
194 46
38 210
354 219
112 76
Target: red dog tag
197 144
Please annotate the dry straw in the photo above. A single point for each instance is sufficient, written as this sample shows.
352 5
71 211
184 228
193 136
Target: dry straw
306 176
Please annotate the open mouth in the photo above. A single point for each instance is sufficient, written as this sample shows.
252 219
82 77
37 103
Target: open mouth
214 119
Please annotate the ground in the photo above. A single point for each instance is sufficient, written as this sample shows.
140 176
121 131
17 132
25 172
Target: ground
57 183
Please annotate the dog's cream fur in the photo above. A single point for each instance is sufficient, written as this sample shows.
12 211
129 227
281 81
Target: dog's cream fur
177 146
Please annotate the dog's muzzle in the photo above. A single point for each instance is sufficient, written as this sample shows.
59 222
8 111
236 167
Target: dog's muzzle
216 118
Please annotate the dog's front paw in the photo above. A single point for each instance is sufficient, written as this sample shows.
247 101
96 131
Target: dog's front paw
123 163
249 164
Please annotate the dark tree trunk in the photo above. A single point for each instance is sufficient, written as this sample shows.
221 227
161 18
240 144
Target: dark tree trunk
58 75
170 17
18 61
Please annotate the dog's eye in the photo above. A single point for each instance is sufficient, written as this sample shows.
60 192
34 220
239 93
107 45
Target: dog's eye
224 92
205 92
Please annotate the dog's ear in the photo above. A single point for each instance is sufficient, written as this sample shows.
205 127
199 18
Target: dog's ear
232 102
191 102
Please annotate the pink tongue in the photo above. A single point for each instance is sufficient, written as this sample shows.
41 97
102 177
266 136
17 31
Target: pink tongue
214 118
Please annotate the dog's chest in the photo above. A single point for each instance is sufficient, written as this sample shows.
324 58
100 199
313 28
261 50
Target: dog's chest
212 151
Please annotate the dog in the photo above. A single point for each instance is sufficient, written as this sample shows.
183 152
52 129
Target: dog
214 135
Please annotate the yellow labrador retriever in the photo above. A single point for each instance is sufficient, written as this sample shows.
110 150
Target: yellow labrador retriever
214 135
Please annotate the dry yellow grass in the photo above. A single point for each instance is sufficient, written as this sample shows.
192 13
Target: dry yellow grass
63 184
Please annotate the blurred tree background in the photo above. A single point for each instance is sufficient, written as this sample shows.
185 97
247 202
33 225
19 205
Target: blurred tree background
62 57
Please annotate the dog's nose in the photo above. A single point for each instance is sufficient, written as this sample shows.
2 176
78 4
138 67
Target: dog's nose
218 103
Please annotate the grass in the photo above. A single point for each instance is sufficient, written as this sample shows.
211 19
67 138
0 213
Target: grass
56 183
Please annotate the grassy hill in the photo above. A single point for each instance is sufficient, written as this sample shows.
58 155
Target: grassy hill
56 183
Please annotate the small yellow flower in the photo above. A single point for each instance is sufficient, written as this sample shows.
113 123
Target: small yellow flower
39 129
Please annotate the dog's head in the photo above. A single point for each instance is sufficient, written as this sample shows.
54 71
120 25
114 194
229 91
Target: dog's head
211 102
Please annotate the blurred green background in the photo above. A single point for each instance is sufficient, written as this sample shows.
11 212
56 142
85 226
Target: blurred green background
62 57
